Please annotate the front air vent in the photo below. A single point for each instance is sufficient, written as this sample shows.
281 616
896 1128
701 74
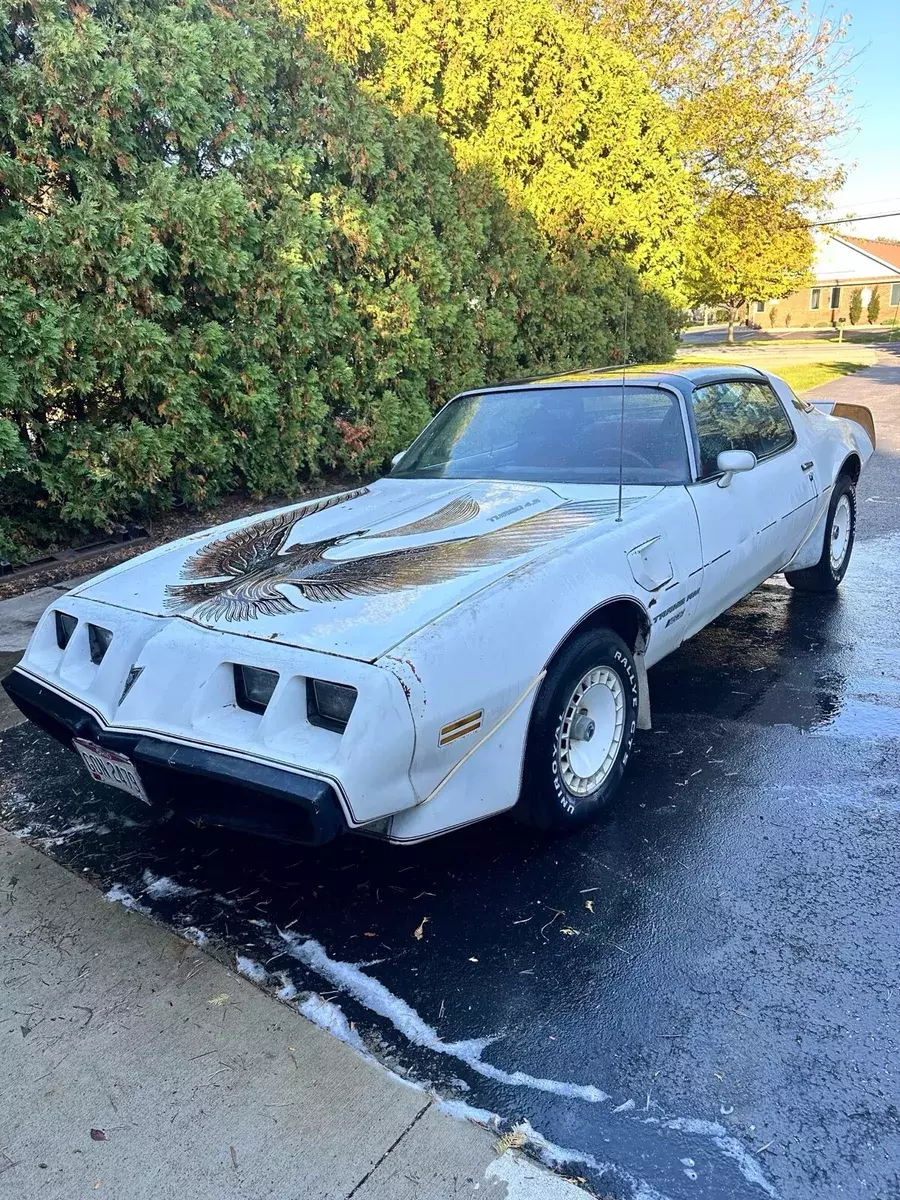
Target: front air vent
98 641
329 705
253 687
65 627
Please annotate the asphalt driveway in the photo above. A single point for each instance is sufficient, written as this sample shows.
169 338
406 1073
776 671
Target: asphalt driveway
696 998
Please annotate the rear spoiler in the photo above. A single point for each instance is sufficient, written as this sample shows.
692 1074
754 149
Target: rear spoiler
850 412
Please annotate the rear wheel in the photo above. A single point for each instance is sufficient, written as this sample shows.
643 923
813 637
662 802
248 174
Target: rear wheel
840 530
582 731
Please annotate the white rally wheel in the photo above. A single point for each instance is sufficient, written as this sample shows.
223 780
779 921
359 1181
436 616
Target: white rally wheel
841 528
591 731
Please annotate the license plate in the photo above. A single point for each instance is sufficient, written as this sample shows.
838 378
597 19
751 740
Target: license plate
106 766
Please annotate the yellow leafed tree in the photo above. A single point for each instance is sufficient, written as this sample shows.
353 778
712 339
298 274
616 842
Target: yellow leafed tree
565 120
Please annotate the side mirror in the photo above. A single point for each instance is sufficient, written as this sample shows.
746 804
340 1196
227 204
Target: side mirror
729 462
397 458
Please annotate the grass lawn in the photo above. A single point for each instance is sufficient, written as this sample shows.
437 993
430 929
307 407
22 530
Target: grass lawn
799 375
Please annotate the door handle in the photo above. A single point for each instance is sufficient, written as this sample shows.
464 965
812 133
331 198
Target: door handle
807 466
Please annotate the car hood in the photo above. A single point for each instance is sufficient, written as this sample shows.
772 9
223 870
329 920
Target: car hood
356 573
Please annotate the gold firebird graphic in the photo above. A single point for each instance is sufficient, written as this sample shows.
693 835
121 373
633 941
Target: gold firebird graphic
239 576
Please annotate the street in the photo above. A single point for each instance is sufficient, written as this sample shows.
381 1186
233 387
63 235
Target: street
697 997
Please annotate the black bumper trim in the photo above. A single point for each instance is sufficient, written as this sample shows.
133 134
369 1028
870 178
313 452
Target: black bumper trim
206 786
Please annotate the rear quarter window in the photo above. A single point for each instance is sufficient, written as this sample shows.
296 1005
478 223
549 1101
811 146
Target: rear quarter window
739 415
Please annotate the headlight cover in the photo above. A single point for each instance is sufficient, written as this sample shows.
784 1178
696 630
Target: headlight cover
329 705
98 641
253 687
65 627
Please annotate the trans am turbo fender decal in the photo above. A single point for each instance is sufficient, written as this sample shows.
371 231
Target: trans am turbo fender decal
240 576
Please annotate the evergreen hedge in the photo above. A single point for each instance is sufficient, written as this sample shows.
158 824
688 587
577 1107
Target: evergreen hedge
225 265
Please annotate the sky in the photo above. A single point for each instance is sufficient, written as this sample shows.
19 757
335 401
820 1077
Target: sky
873 183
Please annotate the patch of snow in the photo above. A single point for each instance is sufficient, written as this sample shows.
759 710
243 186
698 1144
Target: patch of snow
287 991
557 1156
160 886
57 837
195 935
378 999
526 1180
120 895
251 970
330 1017
372 994
466 1112
730 1147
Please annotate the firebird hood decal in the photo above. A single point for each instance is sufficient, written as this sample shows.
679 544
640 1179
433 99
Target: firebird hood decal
356 573
242 575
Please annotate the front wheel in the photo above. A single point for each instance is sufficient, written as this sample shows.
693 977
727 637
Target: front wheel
840 531
581 734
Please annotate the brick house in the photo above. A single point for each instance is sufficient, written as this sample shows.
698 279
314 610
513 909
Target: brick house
842 265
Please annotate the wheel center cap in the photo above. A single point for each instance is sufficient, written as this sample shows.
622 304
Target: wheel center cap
583 728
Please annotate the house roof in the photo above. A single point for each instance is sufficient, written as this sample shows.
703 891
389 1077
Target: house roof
886 252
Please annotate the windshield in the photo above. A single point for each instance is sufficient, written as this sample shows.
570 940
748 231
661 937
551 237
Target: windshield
554 435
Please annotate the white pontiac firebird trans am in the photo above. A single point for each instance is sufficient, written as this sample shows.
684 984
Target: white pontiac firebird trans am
467 635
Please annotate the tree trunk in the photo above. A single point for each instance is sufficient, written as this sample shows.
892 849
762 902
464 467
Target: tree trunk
730 338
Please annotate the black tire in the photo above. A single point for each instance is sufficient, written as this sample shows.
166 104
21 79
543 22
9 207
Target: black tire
546 802
826 575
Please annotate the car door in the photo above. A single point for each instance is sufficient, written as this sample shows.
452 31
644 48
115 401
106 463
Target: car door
750 527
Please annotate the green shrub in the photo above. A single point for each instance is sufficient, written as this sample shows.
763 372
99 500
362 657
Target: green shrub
873 309
856 306
225 265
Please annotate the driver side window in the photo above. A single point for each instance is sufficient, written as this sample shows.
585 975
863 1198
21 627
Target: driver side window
738 415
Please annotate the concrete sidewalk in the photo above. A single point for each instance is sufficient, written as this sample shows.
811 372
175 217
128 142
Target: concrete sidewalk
137 1066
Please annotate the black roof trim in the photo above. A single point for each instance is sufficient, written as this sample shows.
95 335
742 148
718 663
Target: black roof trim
654 373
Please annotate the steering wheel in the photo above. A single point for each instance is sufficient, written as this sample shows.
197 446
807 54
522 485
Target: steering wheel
633 454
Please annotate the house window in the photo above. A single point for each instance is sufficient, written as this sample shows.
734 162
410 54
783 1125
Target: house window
759 306
815 297
895 294
836 297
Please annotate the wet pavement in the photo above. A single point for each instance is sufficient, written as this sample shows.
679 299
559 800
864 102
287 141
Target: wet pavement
698 997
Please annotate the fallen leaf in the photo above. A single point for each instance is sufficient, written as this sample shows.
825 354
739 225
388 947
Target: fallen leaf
589 905
509 1141
219 1000
568 931
368 934
96 1184
420 932
98 1135
233 1157
473 960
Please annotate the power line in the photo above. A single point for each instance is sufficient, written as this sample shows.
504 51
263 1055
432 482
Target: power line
848 220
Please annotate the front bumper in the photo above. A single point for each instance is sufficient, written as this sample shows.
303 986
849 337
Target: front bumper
200 784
